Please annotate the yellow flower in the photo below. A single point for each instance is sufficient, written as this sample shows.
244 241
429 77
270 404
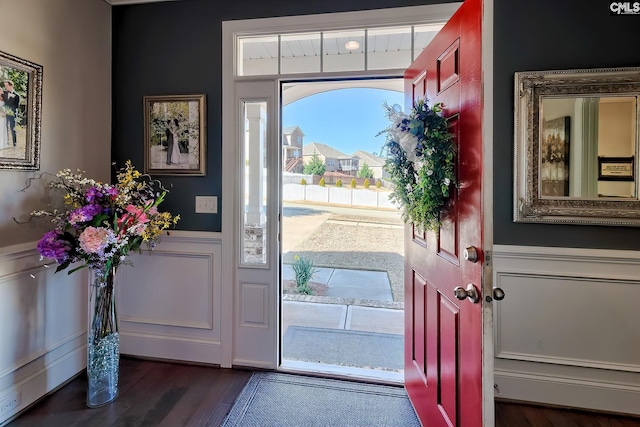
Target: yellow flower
160 222
128 175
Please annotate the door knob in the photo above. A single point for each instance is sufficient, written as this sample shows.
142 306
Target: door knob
471 292
471 254
498 294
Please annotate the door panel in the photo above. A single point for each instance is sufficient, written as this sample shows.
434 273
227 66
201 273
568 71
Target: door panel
448 67
419 343
448 236
443 353
448 321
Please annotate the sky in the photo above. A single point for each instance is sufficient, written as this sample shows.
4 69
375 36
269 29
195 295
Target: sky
345 119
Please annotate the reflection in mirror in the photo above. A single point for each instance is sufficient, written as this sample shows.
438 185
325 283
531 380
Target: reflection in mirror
576 132
576 146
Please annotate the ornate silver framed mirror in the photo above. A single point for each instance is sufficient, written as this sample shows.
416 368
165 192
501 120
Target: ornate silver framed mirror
576 146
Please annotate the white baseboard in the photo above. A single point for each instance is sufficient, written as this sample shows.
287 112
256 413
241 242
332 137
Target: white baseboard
248 363
571 392
171 348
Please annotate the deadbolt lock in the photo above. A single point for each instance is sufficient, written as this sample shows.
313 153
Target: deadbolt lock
471 254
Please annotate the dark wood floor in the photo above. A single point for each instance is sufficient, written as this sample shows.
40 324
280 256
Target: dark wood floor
150 394
520 415
166 394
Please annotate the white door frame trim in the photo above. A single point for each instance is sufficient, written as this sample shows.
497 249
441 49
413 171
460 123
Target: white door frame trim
231 332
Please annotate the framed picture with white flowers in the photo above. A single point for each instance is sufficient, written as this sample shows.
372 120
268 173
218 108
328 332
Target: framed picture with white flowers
174 135
20 113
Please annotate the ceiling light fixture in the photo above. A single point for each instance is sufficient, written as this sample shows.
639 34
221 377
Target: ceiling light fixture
352 45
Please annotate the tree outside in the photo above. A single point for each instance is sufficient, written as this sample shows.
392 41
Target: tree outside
315 166
365 171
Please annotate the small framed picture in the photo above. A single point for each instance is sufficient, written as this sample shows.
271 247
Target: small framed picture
20 113
616 168
174 135
554 157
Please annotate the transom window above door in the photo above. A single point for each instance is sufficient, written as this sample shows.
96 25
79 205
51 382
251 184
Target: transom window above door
380 48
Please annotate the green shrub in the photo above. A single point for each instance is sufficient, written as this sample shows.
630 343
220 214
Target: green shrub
339 183
304 271
378 184
315 166
353 183
303 181
322 183
365 171
366 183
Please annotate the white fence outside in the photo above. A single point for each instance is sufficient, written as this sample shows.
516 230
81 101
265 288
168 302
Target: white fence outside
337 195
295 178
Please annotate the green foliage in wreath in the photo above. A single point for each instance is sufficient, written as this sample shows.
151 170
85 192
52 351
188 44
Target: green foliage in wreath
421 162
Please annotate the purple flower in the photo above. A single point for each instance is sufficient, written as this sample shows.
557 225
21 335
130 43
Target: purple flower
84 214
112 192
93 194
91 210
52 245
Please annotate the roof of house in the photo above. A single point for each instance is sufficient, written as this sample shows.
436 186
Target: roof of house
289 130
324 150
369 158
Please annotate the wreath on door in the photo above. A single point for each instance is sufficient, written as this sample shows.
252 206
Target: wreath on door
420 161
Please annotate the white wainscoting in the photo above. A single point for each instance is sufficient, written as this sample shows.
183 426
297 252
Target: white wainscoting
169 303
43 325
568 330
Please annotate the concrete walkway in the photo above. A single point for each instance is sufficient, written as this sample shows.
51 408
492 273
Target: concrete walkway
346 283
332 331
340 316
359 303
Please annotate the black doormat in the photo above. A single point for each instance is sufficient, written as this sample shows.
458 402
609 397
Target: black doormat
372 350
274 399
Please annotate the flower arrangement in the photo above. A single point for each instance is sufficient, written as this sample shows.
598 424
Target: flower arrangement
103 223
421 162
98 227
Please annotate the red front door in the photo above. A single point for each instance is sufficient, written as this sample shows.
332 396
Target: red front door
443 334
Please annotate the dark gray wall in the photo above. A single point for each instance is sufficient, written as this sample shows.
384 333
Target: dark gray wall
175 47
550 35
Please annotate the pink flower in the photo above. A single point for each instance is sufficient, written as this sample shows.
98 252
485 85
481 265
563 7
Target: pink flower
133 221
151 210
95 240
